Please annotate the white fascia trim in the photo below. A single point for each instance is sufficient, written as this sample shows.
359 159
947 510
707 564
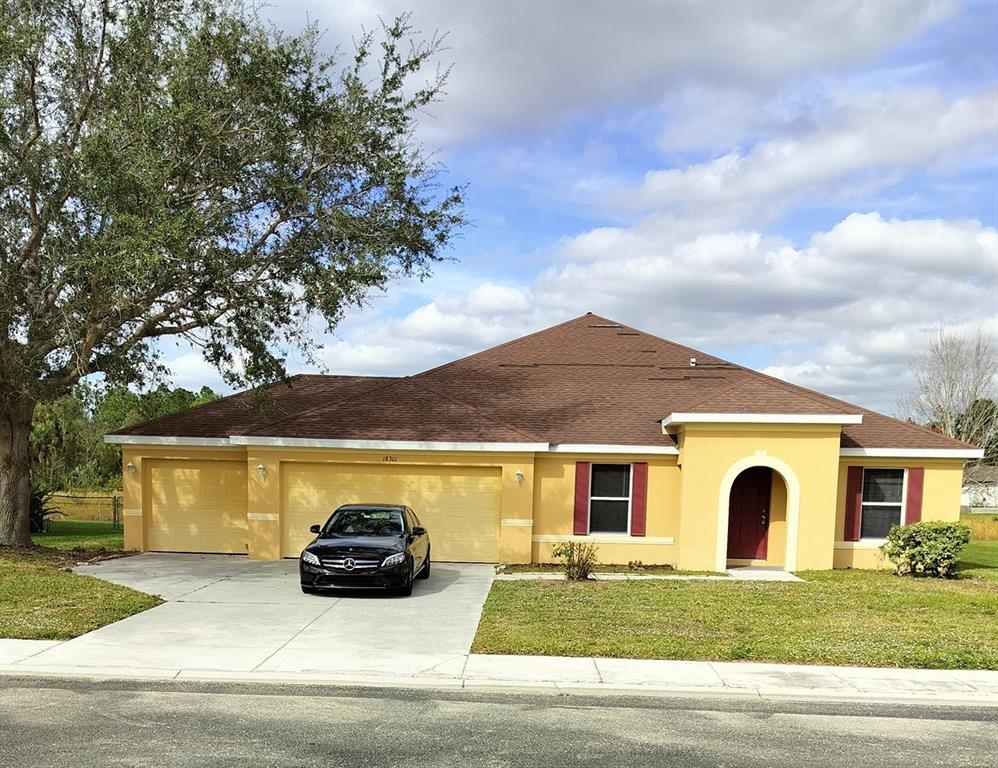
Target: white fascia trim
667 450
915 453
398 445
761 418
154 440
388 445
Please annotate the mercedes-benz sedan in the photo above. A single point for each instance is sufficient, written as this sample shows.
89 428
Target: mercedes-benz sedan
367 546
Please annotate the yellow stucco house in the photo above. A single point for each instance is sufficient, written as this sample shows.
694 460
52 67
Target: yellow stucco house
586 431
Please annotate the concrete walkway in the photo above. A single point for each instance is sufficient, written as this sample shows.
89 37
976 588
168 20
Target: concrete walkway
537 673
742 573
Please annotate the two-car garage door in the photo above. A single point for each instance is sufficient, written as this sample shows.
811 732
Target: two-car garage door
458 505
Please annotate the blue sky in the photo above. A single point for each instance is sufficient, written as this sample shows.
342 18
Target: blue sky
809 189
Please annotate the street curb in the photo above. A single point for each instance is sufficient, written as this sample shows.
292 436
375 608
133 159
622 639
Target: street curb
919 698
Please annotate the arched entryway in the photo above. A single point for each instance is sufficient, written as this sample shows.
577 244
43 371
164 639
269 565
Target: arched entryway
757 517
757 514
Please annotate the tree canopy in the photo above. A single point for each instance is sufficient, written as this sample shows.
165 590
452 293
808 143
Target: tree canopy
68 451
175 168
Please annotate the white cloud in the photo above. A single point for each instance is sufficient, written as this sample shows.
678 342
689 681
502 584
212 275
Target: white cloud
522 65
862 143
190 370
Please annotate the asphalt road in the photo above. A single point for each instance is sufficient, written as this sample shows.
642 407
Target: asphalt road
76 723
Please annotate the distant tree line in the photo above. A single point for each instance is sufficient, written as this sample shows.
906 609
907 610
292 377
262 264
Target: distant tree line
68 452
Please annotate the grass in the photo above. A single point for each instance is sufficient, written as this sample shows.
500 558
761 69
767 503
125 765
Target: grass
80 534
982 527
863 618
979 560
41 600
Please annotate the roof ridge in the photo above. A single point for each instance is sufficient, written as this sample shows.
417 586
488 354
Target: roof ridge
390 380
506 344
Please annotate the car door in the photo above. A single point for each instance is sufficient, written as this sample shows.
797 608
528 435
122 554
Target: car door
420 544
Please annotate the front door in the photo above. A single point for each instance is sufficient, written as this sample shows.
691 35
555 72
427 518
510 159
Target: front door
748 514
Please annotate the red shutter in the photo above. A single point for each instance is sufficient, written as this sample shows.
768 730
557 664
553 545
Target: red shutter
581 526
913 504
854 502
639 497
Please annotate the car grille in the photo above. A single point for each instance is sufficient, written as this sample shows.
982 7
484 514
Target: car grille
339 562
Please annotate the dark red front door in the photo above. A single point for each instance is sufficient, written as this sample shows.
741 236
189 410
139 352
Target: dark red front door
748 514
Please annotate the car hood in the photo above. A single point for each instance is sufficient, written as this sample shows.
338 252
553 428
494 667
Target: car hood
357 544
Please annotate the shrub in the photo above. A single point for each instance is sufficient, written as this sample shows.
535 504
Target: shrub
580 559
929 548
41 510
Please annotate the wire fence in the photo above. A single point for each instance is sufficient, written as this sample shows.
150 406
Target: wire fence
89 506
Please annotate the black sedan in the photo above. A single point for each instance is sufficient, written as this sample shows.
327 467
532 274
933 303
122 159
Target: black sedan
367 546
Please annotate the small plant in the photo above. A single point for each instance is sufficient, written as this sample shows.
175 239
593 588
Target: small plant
928 548
635 565
580 559
41 510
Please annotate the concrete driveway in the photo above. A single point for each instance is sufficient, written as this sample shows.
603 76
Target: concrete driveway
228 613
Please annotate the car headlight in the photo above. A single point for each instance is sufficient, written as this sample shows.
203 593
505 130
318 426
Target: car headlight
395 559
310 558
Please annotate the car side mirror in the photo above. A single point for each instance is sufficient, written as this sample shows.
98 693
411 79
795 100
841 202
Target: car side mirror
419 531
315 528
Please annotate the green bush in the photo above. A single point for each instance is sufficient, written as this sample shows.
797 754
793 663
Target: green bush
580 559
929 548
41 510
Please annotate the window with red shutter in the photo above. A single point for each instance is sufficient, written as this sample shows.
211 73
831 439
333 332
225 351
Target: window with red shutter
854 502
913 495
580 526
639 498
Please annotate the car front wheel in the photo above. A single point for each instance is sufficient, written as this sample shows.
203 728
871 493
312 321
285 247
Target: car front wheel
406 589
425 572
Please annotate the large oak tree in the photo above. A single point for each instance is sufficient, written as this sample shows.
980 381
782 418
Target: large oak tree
178 168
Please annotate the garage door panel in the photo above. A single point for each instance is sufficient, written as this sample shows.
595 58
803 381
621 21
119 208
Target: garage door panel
197 506
458 505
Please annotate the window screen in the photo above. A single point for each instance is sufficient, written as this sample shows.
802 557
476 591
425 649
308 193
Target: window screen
610 498
883 490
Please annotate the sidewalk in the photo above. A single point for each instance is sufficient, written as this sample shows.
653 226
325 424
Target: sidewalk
566 675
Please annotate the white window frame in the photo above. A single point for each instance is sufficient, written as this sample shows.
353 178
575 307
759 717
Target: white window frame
629 498
904 501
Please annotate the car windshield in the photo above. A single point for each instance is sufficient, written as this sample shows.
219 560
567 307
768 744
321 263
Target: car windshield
365 522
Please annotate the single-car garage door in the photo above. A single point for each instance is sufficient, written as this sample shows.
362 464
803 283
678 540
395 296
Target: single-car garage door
458 505
197 506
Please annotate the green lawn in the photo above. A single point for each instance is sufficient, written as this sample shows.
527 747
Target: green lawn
80 534
859 618
40 600
980 560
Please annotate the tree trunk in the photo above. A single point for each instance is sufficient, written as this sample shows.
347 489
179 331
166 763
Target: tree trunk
15 470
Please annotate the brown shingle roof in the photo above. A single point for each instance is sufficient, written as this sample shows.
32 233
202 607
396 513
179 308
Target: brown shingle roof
588 380
243 412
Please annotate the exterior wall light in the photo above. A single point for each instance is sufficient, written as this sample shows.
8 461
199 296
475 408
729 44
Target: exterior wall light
261 471
518 476
131 469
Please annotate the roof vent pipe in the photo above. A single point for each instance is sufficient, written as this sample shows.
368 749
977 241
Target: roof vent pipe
693 362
